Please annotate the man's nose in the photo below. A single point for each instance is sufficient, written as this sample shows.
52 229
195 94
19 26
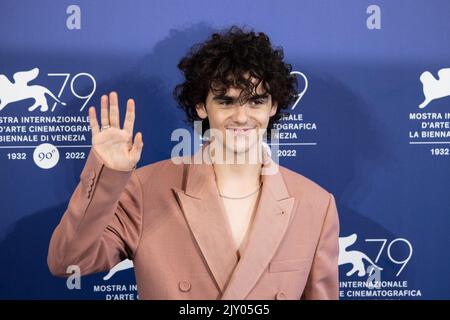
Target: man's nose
240 113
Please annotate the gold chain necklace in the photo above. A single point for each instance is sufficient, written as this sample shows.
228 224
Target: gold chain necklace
241 197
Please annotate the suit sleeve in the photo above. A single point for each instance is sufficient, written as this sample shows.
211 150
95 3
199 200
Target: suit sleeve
102 223
323 281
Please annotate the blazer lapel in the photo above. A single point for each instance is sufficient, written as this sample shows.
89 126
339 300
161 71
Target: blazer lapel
204 213
270 224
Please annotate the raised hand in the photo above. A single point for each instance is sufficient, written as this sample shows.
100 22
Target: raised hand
114 145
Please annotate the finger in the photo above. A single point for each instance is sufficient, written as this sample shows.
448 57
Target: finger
93 121
104 110
113 110
129 117
136 150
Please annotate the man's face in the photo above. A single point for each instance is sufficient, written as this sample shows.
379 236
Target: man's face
238 127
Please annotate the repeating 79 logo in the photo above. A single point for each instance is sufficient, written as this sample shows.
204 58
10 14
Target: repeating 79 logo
66 77
397 241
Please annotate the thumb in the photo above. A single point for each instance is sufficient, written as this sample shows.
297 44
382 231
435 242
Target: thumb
138 144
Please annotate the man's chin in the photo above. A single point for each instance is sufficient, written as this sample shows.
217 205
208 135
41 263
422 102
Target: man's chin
243 150
236 151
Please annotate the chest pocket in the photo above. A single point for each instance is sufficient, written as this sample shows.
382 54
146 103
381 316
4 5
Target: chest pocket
289 265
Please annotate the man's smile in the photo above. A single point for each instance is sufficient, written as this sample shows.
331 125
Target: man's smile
238 131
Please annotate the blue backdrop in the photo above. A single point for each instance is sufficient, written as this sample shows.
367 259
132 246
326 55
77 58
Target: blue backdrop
357 130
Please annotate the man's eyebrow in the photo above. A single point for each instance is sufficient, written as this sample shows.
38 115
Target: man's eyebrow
223 97
259 96
229 98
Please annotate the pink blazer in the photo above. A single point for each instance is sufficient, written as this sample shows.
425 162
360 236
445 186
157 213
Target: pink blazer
169 219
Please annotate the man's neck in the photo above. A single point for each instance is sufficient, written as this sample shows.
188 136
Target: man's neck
237 179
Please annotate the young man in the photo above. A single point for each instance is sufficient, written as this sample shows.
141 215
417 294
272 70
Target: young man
205 227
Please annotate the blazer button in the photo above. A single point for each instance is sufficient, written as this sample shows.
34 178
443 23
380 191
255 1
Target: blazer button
184 285
281 296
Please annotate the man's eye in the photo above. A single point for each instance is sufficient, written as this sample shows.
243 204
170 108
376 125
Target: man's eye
224 102
257 102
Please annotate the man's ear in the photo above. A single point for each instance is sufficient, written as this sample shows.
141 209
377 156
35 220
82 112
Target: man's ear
201 110
273 109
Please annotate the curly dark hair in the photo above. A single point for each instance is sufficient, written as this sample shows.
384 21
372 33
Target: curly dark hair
223 60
